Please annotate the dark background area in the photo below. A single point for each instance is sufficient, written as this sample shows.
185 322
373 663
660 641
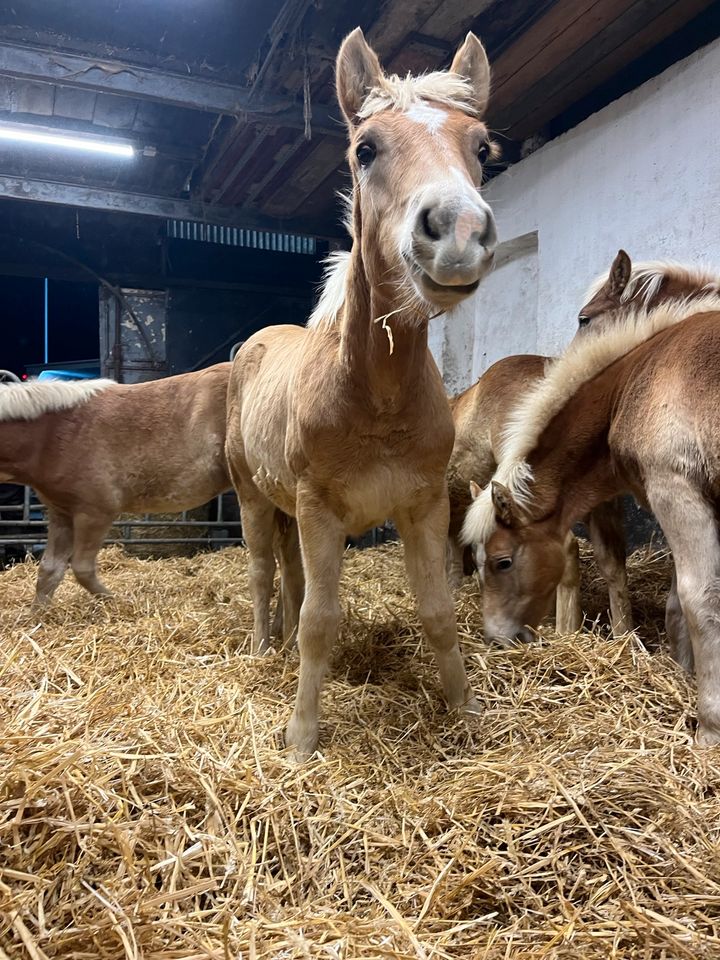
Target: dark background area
72 316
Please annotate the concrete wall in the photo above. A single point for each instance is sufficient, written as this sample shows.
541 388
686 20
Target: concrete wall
643 173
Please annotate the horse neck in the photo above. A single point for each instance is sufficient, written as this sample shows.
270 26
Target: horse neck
381 345
572 463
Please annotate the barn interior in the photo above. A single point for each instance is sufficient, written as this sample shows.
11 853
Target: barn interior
215 220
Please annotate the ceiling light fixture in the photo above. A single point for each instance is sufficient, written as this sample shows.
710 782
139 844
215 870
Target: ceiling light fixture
20 133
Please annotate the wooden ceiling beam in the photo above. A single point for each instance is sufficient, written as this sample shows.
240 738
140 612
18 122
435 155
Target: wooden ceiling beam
195 93
170 208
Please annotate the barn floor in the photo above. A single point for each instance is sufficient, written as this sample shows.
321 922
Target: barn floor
147 809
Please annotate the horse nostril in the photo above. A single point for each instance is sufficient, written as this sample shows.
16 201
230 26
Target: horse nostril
428 229
488 237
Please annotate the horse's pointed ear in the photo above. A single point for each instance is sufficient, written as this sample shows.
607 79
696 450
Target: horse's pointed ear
475 490
620 273
506 510
471 62
357 71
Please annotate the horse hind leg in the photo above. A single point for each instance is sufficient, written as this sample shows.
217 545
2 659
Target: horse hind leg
454 562
55 559
676 629
689 524
89 532
292 579
258 520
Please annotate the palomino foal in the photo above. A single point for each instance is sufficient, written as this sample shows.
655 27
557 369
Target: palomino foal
480 414
95 449
633 409
346 423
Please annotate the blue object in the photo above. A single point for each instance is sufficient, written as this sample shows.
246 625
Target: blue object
65 375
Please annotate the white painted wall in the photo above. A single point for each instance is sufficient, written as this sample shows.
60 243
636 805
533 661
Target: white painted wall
643 174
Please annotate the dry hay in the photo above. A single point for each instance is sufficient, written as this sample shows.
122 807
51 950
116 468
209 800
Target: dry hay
148 811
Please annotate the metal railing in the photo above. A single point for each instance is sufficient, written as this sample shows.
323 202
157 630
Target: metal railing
24 525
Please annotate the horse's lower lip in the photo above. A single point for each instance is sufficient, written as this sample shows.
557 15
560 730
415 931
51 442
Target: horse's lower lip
457 288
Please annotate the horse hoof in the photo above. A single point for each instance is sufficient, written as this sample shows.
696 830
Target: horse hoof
707 737
302 742
472 707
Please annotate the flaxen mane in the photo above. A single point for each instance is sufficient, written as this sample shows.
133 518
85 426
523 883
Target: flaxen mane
393 93
28 401
584 359
646 279
400 93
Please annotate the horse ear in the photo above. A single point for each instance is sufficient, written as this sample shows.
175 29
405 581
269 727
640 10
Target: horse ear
506 510
357 71
619 276
471 62
475 490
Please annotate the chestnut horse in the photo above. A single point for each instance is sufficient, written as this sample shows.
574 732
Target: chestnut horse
633 409
95 449
345 423
480 414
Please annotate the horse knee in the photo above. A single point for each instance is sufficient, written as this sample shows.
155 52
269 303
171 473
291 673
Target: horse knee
438 620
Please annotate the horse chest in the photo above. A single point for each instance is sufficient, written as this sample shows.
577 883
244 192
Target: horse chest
374 493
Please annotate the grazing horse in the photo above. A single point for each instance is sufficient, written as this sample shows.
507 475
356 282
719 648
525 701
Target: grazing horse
633 409
345 423
480 414
94 449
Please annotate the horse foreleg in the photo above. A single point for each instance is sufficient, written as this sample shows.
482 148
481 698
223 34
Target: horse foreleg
677 629
89 532
258 524
424 533
322 541
689 524
568 608
56 557
608 542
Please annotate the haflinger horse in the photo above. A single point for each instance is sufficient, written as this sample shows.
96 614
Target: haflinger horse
480 414
95 449
345 423
646 284
631 409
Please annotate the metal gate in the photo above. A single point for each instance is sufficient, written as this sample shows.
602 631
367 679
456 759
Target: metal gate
23 525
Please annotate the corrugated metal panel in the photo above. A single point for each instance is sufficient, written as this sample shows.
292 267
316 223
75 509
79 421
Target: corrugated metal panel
237 237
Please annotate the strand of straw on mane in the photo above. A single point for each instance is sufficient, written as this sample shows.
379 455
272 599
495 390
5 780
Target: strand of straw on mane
583 360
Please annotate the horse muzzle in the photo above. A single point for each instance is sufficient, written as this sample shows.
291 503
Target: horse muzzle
453 245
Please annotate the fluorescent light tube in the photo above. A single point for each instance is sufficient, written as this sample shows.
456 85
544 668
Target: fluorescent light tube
67 141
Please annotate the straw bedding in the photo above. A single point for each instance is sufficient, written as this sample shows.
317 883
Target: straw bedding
148 810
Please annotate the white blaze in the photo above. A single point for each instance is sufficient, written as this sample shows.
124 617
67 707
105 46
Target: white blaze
432 118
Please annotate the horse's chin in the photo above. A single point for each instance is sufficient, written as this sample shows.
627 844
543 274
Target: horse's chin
445 296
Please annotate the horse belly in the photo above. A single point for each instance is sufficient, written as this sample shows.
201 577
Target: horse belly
176 482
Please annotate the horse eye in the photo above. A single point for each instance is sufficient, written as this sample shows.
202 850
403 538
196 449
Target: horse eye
583 320
503 564
483 151
365 154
